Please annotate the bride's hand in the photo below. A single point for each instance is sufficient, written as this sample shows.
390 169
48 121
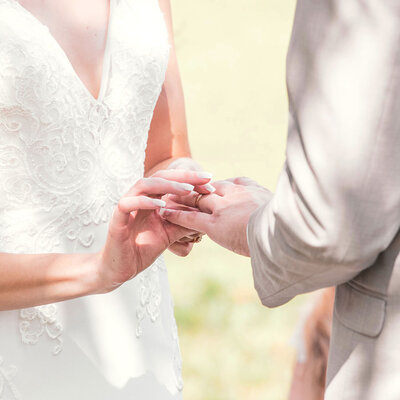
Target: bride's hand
137 235
184 246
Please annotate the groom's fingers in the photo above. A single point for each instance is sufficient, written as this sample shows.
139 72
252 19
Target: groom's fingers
243 180
195 220
206 203
129 204
223 187
188 200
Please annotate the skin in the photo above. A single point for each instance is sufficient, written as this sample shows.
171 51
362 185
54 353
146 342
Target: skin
80 28
228 209
168 137
137 235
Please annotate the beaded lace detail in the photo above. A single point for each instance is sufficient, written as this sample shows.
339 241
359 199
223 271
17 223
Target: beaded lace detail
149 295
37 321
65 157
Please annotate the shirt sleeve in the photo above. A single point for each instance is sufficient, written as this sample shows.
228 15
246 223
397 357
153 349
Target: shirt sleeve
337 202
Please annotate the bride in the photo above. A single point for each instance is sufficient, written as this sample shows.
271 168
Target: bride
79 82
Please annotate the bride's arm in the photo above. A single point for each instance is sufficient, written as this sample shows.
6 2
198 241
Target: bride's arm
28 280
136 237
168 144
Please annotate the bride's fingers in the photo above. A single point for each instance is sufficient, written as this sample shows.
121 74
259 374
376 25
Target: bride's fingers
159 187
205 189
129 204
196 178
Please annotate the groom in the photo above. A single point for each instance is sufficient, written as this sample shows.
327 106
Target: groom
335 216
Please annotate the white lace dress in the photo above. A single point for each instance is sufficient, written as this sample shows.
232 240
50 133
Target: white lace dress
65 160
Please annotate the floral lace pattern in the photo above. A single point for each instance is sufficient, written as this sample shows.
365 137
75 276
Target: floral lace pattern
149 295
8 391
65 157
37 321
149 308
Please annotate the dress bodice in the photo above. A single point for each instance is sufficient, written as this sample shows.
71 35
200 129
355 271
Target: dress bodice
65 160
65 157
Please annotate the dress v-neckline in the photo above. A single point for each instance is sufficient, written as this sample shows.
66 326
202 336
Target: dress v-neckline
106 55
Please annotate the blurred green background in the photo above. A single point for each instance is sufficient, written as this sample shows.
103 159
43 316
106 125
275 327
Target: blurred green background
232 60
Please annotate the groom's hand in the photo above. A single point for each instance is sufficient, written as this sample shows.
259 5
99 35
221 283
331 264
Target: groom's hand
222 215
183 246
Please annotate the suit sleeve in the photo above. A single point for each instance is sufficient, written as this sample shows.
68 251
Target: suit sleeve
337 202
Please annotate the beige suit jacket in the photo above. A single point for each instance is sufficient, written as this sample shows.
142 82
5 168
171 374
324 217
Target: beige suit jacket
335 216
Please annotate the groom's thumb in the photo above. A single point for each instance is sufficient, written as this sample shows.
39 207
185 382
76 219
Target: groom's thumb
194 220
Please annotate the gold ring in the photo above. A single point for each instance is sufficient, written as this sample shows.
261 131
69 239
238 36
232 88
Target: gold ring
196 239
197 200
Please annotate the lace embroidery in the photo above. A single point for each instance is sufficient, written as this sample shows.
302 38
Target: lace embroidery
39 321
65 158
149 295
8 390
149 307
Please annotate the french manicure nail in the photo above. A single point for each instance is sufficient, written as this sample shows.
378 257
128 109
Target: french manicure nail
159 203
205 175
186 186
209 187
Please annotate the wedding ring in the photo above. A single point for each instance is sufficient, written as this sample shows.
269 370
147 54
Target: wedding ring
196 239
197 200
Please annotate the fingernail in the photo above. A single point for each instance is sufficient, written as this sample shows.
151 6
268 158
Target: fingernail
205 175
163 212
186 186
159 203
209 187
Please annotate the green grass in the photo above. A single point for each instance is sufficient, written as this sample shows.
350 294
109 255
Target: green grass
232 59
